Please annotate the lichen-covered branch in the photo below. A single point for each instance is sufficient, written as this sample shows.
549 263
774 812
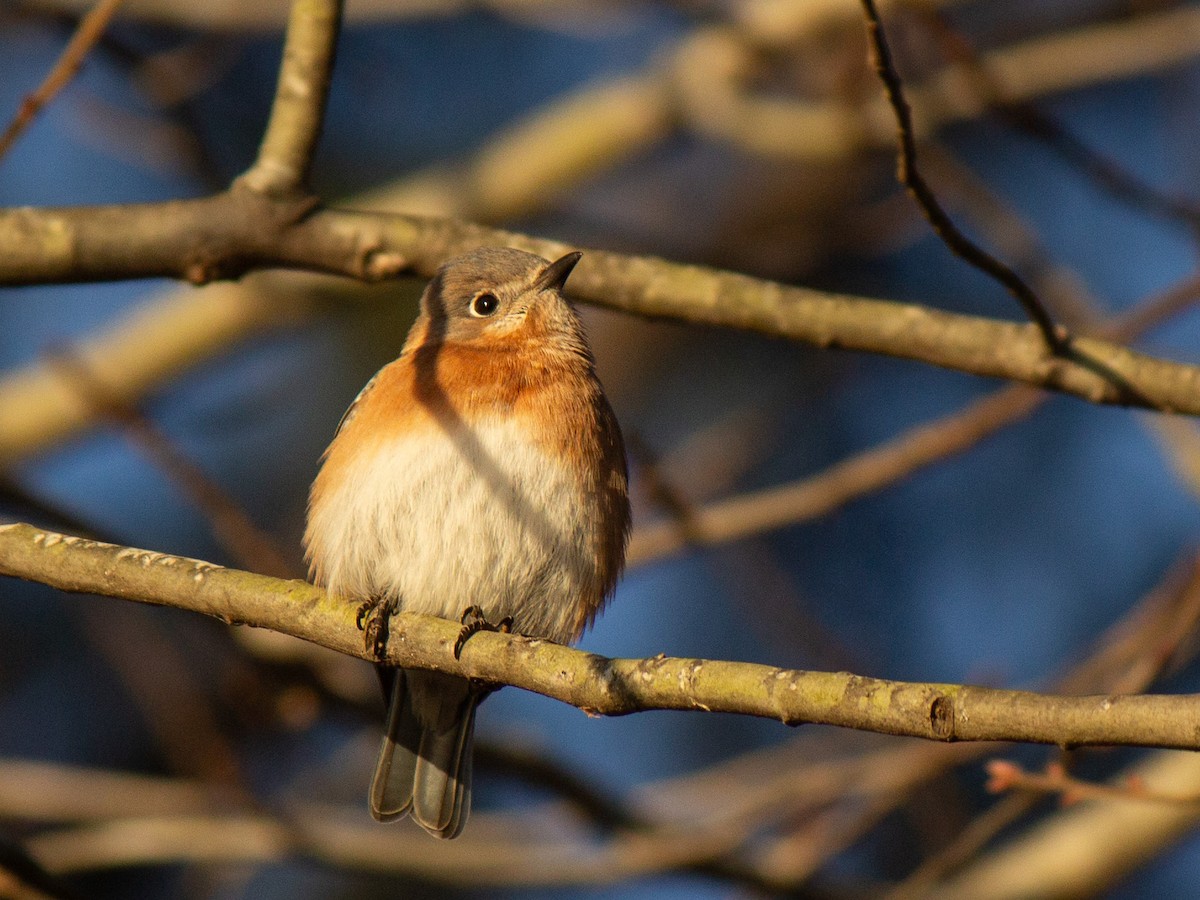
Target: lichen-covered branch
595 684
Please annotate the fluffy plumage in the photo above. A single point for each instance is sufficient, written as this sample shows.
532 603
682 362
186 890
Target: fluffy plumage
483 467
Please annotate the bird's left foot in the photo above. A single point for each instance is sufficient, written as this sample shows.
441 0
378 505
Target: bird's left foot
373 619
476 624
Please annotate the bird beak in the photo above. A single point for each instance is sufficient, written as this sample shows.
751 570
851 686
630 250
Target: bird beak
554 276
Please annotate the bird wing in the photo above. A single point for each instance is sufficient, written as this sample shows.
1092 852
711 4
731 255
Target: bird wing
353 407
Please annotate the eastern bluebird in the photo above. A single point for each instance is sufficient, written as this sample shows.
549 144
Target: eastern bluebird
481 469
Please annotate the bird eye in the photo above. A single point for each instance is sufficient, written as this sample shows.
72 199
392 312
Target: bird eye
484 305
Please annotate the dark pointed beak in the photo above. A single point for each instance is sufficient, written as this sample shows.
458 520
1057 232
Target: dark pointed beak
554 276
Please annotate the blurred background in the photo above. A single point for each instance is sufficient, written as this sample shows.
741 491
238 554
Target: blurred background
1027 541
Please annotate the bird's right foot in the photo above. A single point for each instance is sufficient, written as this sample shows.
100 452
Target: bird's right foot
373 617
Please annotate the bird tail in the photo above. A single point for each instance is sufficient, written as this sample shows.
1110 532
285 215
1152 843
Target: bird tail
425 761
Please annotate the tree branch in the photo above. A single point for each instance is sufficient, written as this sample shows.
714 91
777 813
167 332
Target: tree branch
1082 851
593 683
226 235
909 175
718 76
87 33
299 109
848 479
145 349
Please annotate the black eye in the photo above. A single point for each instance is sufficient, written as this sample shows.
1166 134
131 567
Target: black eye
484 305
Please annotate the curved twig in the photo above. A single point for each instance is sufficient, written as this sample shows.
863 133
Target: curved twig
910 176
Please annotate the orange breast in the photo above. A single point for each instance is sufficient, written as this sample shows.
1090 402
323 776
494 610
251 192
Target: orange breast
455 388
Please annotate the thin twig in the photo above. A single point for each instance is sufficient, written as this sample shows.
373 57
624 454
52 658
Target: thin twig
910 176
737 799
90 30
718 73
978 833
1129 656
1040 125
874 469
1083 850
145 349
1005 775
859 475
661 489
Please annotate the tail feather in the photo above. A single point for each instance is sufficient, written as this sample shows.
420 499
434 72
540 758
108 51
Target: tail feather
425 761
392 786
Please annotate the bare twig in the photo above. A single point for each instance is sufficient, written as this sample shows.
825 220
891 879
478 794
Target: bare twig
910 176
1083 850
978 834
661 830
839 484
142 351
717 71
739 799
661 490
1005 775
90 30
1050 131
1129 656
1155 637
850 479
299 109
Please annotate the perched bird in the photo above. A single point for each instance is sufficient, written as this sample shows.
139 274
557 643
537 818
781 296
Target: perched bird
481 469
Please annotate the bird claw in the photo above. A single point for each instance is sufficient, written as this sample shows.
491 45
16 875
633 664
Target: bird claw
476 624
372 619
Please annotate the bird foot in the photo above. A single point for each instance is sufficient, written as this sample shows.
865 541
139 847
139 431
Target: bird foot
372 619
478 623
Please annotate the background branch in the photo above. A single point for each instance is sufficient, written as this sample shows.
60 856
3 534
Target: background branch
91 28
1085 849
143 351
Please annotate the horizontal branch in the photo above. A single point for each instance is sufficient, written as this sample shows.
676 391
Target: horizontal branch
718 821
229 234
595 684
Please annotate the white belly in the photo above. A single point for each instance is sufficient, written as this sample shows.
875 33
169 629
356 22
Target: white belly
441 522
